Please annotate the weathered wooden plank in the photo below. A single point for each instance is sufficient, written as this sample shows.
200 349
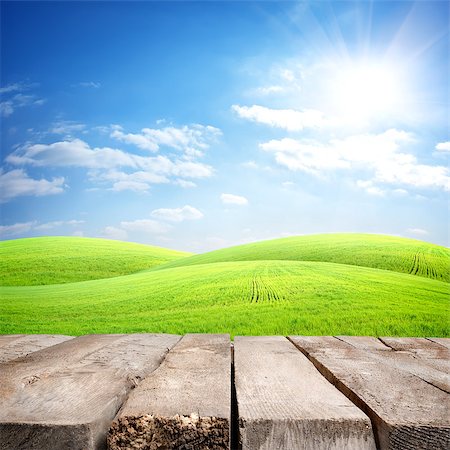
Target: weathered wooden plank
406 411
426 360
184 404
420 346
16 345
7 338
441 341
285 403
65 396
364 342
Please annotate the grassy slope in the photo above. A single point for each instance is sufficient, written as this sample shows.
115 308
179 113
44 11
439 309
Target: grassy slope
50 260
368 250
258 297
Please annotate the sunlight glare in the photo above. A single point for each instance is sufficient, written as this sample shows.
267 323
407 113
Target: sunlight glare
366 90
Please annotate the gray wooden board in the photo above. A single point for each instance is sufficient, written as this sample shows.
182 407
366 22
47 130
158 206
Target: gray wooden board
285 403
441 341
425 359
16 345
365 343
65 396
185 403
406 411
420 346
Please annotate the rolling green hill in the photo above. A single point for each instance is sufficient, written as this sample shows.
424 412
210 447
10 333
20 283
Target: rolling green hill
52 260
322 284
257 297
368 250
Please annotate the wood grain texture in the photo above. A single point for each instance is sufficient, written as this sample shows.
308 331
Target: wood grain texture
364 343
445 342
420 357
420 346
185 403
16 345
407 412
65 396
285 403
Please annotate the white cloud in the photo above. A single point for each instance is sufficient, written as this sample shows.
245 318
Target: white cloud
250 165
6 108
231 199
16 229
189 169
184 183
17 183
139 181
400 191
135 186
124 171
443 146
268 90
287 74
17 87
18 99
49 225
57 224
139 140
25 227
288 119
72 153
114 233
11 88
145 226
192 140
74 222
67 127
414 174
133 179
89 84
187 212
378 153
279 80
118 170
303 155
370 188
24 100
104 129
417 231
39 101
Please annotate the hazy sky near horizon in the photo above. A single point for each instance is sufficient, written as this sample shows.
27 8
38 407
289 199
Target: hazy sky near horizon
199 125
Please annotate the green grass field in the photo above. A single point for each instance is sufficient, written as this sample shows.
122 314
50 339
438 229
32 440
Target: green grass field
54 260
269 293
367 250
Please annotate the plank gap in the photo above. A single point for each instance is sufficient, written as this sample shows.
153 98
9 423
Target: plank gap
354 398
234 420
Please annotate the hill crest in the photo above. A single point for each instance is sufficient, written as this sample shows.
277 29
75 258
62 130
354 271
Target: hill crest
366 250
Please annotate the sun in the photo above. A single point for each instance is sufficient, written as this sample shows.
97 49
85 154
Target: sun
366 90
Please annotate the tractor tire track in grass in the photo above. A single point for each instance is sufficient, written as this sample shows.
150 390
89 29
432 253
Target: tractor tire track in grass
380 252
249 297
254 291
422 266
262 290
415 264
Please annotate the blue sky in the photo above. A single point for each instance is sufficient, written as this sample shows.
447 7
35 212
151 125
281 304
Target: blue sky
199 125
